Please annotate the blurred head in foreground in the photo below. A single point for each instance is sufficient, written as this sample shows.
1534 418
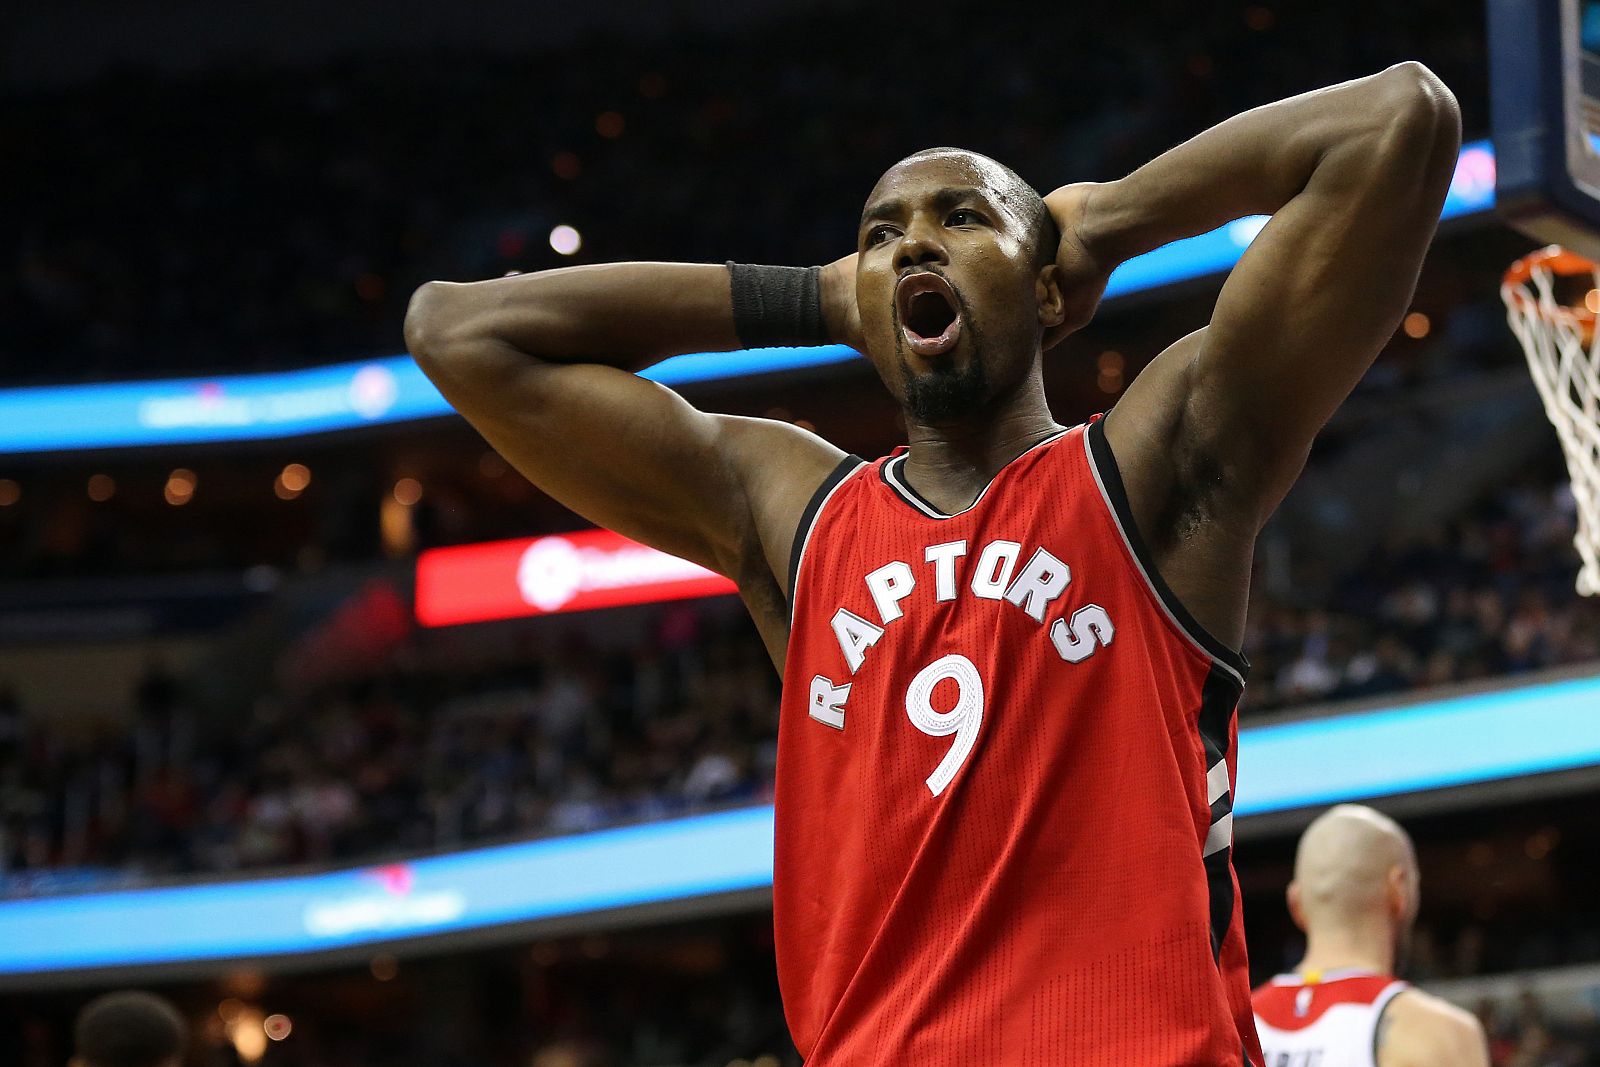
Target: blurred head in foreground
1355 884
128 1029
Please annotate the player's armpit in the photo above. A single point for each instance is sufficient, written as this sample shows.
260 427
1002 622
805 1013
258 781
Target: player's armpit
1419 1030
1320 291
632 455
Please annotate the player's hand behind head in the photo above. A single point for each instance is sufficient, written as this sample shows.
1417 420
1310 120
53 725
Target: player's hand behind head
1083 275
839 311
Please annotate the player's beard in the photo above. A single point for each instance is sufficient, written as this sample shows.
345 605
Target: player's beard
945 393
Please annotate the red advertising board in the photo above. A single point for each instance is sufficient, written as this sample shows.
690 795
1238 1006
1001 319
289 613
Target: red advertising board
549 575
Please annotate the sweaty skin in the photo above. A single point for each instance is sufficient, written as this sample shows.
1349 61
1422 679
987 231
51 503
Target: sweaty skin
1355 893
1208 437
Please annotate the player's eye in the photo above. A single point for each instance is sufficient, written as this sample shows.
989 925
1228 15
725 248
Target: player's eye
964 216
879 234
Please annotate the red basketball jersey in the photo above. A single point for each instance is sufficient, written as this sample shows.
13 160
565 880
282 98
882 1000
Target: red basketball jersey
1005 770
1324 1020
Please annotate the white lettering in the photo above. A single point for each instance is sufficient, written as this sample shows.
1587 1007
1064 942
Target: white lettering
1082 637
1042 579
378 911
943 557
855 635
827 702
997 573
993 572
890 584
553 570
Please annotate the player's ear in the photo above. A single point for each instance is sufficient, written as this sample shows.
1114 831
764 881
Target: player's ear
1292 894
1395 889
1047 290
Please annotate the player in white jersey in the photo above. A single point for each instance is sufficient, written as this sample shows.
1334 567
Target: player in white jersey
1355 894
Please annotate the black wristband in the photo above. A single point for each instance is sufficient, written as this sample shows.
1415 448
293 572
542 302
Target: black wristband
777 305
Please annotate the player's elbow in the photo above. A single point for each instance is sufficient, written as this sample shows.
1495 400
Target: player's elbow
429 322
1418 92
1424 120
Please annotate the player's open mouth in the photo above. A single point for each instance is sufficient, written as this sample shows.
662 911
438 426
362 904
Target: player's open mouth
929 315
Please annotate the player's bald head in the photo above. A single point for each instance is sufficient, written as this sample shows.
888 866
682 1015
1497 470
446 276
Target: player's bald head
1347 865
1002 185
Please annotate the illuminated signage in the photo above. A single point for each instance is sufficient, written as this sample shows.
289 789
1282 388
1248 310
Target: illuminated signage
1433 744
1471 191
249 407
297 914
389 903
546 575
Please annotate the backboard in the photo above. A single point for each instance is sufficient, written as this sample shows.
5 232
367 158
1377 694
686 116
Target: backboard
1544 66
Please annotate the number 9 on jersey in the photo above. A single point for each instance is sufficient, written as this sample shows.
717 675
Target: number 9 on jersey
963 720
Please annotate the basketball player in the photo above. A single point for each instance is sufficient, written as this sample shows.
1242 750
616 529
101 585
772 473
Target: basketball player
1355 894
1010 650
128 1029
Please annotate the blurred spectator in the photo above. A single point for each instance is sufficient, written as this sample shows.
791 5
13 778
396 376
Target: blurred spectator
407 759
410 750
129 1029
1489 595
267 217
263 218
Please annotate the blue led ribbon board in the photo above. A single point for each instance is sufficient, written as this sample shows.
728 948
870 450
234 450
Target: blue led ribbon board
259 407
1431 745
684 858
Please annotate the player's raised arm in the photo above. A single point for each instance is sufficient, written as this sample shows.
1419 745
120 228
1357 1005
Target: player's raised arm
1354 177
542 365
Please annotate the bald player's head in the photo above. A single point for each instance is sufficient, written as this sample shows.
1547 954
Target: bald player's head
1355 873
129 1029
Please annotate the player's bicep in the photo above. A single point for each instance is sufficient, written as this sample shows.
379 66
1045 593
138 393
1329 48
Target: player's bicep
623 452
1319 292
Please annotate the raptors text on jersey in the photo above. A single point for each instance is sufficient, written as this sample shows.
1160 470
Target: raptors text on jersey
1005 777
1323 1020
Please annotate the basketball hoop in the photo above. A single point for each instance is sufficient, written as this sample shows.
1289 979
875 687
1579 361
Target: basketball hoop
1559 340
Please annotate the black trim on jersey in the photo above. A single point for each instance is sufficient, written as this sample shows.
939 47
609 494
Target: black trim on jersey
1377 1024
808 518
1219 698
1111 479
899 482
895 479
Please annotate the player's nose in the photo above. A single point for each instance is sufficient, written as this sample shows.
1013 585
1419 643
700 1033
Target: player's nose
920 245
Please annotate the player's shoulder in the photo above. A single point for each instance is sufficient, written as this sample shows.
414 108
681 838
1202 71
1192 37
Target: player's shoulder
776 457
783 469
1420 1029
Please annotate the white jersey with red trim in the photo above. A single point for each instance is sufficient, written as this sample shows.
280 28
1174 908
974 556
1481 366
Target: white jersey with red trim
1323 1020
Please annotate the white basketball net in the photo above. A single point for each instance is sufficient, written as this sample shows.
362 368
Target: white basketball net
1566 370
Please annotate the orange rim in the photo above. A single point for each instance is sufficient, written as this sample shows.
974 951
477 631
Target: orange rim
1558 261
1553 258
